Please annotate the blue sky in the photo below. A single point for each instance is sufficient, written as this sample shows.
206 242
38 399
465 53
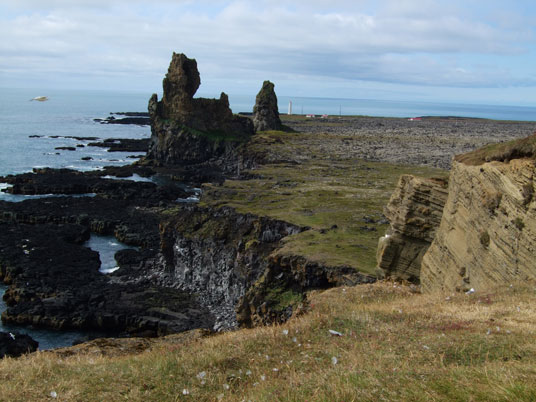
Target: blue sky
455 51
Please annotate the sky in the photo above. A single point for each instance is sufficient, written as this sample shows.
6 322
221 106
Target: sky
470 51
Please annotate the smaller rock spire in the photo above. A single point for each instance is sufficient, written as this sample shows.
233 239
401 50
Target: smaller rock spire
265 112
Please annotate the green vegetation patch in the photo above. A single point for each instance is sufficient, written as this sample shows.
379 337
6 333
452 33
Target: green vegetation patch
341 200
363 343
281 298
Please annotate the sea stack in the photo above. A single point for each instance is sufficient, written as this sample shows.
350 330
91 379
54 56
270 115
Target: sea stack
186 130
265 111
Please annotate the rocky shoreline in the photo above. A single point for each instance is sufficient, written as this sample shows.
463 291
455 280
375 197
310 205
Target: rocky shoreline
69 292
195 266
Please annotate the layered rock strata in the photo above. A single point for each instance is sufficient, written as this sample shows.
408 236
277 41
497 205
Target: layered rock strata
265 111
188 130
414 212
487 235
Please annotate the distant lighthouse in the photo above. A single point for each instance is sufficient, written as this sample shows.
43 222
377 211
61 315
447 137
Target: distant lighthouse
289 107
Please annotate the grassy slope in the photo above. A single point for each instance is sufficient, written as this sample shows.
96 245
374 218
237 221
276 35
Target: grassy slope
310 181
396 345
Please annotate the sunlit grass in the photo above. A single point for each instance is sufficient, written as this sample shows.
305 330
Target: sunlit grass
308 181
395 345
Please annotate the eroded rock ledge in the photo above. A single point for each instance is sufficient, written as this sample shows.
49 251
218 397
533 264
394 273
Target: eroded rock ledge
487 232
414 211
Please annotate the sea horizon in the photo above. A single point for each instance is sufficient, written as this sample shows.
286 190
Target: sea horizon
334 106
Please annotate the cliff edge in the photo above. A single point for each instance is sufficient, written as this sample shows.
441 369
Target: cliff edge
486 234
414 212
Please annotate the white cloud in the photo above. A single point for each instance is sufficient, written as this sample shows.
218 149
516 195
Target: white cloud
391 41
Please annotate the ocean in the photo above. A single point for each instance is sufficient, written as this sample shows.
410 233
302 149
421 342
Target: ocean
30 132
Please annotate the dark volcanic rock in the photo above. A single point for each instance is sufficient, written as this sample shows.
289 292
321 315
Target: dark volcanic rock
139 119
13 344
226 259
217 255
54 280
122 144
187 130
265 111
66 181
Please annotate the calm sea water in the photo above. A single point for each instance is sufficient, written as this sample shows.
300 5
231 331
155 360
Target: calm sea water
71 113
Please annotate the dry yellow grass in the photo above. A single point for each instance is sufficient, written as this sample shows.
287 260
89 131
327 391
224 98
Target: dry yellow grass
395 345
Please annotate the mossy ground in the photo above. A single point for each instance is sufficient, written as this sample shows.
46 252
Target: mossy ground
308 180
394 345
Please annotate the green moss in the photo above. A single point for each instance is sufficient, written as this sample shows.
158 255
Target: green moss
279 298
484 238
251 243
330 196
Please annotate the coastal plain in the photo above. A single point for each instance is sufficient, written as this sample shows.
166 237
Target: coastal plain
331 177
335 176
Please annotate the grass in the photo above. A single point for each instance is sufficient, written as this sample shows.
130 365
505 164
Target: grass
395 345
309 181
503 152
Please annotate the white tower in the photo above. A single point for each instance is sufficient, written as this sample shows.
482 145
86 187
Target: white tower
289 107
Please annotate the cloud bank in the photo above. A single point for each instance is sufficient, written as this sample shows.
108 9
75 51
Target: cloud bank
403 42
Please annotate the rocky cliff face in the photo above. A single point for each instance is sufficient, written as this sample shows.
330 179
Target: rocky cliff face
217 255
230 262
188 130
414 212
487 232
265 111
486 235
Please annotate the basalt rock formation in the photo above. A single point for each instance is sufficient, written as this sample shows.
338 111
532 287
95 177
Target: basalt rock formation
54 279
217 255
229 261
414 212
265 111
487 232
187 130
